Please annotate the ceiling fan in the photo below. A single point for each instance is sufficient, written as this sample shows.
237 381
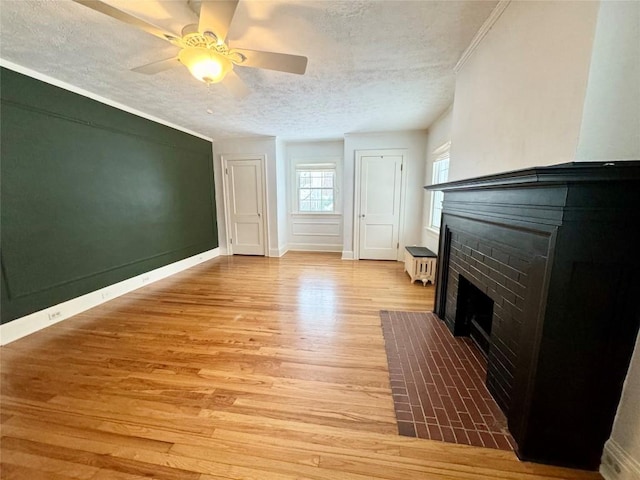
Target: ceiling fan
203 47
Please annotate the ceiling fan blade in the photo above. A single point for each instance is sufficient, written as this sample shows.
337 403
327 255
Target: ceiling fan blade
216 16
235 85
157 67
112 12
281 62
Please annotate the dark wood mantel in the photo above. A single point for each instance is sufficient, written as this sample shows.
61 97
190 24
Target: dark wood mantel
556 249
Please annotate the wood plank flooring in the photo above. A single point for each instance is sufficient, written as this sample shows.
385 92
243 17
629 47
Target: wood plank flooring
240 368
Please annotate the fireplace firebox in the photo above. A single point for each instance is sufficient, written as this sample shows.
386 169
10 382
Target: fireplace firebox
474 314
554 250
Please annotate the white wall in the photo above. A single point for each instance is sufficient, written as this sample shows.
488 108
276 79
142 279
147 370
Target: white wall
252 146
314 232
415 142
519 96
281 186
611 120
438 134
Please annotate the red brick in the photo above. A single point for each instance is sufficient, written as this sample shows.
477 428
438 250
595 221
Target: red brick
421 430
432 392
487 439
482 406
474 438
450 408
434 432
466 420
457 399
399 391
501 441
404 416
456 424
412 391
406 429
473 410
438 383
443 420
417 413
447 434
461 436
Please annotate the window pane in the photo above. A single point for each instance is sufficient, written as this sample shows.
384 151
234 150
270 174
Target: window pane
444 172
327 200
440 171
316 179
437 209
327 179
316 190
440 175
305 206
304 179
304 193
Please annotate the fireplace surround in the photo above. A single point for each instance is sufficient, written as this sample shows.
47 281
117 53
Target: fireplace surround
554 249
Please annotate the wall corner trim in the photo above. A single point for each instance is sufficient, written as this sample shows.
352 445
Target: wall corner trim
617 464
94 96
347 255
484 29
36 321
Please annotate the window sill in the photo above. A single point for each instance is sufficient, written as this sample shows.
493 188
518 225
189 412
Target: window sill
313 214
433 231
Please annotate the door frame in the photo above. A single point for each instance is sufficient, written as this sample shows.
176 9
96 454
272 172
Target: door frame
224 160
357 195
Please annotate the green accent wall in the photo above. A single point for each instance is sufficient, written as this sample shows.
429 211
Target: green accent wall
92 195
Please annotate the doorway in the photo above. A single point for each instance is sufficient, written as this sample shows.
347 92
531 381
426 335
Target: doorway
378 209
244 204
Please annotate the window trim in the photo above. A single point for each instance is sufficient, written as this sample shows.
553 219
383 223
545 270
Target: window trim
441 155
310 167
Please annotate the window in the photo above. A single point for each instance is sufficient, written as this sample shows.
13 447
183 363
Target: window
316 188
440 175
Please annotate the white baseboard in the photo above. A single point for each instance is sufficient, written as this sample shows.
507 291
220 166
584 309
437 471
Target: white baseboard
33 322
617 464
314 247
347 255
278 252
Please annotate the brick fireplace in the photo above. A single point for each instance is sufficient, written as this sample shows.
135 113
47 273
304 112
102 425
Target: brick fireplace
539 266
477 262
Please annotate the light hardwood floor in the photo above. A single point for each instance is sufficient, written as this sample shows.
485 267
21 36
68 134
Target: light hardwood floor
240 368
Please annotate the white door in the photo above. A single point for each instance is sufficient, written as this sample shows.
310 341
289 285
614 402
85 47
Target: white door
245 206
379 214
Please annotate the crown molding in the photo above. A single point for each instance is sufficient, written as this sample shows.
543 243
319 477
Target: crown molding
98 98
484 29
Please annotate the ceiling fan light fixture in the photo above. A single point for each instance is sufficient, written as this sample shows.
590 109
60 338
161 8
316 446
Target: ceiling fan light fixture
205 64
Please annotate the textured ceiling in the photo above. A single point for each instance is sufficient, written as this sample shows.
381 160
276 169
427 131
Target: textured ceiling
373 65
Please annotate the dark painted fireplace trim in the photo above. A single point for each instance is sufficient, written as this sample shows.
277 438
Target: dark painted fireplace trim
555 248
